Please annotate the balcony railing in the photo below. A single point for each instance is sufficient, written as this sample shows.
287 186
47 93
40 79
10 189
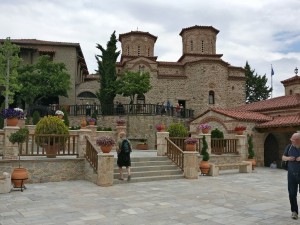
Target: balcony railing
117 109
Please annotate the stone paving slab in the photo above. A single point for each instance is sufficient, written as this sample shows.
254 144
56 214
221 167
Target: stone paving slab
229 199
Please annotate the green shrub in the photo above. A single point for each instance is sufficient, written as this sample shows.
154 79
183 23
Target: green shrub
204 152
27 120
94 115
251 153
50 125
177 130
1 118
36 117
216 133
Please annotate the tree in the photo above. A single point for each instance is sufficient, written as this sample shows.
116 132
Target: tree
43 79
133 83
107 71
256 89
9 62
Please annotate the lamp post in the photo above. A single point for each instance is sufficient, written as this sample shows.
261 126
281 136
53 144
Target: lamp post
296 71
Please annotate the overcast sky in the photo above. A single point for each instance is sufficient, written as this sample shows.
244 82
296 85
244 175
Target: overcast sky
262 32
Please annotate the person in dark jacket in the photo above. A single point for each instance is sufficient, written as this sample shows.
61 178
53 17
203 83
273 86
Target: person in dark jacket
123 156
292 155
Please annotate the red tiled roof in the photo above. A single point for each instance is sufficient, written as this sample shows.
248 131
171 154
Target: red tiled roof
281 121
283 102
243 115
40 42
295 79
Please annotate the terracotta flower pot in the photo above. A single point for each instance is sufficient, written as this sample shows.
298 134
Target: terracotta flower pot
190 147
204 167
19 176
106 149
12 121
205 131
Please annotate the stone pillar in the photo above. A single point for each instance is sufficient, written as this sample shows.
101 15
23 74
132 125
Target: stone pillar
82 141
208 140
105 169
242 146
10 151
161 143
191 165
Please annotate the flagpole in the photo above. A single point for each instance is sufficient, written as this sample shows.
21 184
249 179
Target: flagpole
272 81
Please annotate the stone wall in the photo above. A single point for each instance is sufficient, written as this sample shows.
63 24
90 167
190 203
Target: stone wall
42 169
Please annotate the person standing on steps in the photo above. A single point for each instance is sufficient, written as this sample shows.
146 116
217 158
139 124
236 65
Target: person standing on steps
124 149
292 155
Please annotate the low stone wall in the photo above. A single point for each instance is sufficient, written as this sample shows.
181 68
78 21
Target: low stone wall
43 170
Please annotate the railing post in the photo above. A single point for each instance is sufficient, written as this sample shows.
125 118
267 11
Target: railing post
105 169
10 151
161 143
241 146
191 165
82 141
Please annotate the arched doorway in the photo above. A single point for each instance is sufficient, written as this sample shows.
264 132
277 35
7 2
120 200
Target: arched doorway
271 151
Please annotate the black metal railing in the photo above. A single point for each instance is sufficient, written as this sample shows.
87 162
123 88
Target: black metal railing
116 109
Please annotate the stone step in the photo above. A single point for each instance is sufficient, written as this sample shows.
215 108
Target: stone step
147 179
151 173
149 168
149 163
143 159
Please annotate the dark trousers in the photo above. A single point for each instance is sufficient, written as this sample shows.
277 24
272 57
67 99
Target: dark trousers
293 182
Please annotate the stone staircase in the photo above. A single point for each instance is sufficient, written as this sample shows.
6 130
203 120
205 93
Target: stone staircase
149 169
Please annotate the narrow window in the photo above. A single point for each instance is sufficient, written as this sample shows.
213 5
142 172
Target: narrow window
291 92
192 46
148 52
139 50
211 97
202 46
127 50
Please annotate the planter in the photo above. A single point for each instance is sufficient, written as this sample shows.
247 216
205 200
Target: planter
204 167
19 176
205 131
141 147
190 147
106 149
253 162
51 150
239 132
12 121
92 123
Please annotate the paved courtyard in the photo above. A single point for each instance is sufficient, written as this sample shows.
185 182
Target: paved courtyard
231 198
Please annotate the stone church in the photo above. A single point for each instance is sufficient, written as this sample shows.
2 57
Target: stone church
198 80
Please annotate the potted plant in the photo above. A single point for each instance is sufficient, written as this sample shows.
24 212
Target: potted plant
92 121
204 165
239 129
120 122
142 145
204 127
12 115
160 127
51 133
251 153
19 175
177 130
105 143
190 144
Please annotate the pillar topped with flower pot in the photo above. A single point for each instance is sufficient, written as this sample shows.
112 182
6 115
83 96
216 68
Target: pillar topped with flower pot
239 130
106 143
12 116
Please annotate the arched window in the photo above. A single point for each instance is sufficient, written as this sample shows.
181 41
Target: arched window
211 97
291 92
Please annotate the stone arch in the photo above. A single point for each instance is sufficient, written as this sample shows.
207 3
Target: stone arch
271 150
214 119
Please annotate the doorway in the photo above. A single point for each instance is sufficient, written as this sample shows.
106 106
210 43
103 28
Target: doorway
271 151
